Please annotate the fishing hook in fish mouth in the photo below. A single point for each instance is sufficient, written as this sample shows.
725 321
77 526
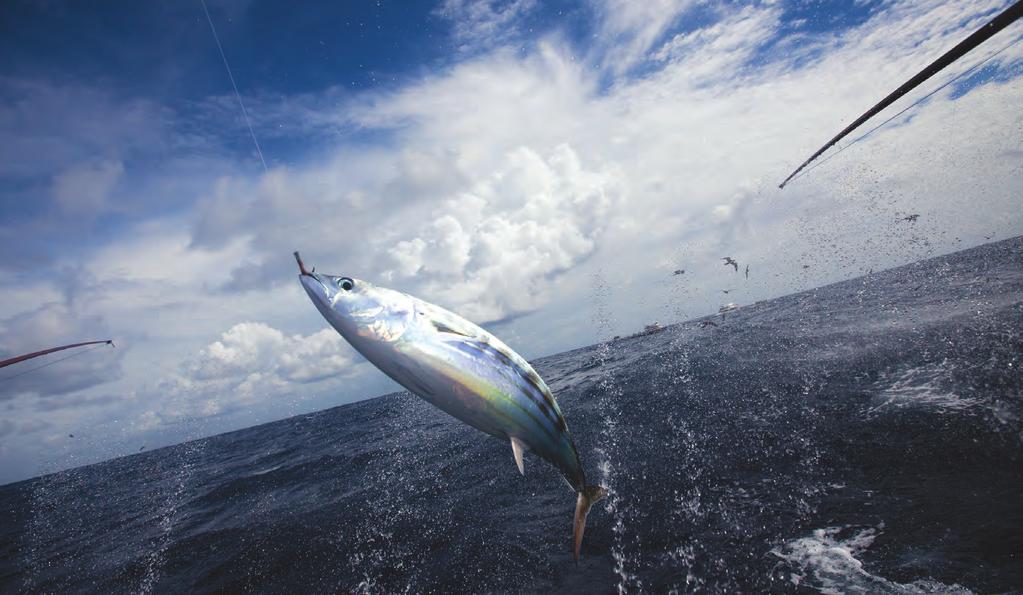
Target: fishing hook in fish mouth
301 266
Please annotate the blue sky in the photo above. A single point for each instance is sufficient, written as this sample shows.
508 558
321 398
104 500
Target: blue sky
492 156
165 50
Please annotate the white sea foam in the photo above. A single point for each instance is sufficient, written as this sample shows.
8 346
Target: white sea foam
921 386
829 563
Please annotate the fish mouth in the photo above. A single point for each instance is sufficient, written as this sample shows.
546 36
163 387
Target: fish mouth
318 290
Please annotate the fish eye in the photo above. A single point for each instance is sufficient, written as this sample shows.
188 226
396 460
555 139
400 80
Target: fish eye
345 283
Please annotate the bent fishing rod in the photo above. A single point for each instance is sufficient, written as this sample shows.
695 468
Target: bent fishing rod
21 358
1003 20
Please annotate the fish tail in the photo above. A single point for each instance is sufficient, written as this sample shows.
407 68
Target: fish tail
587 497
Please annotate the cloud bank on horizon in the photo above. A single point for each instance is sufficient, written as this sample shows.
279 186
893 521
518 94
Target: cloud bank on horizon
526 150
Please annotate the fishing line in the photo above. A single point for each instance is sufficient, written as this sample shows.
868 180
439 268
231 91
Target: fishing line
76 354
906 109
230 76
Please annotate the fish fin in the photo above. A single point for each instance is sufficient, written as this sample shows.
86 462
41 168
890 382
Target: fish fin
586 498
519 447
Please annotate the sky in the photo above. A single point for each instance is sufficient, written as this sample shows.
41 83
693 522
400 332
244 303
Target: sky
533 166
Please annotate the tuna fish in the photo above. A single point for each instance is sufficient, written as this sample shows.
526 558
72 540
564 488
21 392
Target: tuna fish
458 367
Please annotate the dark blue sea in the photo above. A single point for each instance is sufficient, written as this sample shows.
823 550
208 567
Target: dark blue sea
860 437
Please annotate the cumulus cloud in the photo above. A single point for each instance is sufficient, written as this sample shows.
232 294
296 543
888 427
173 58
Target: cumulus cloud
494 251
252 347
251 363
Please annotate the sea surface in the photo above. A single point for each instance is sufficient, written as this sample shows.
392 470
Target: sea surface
860 437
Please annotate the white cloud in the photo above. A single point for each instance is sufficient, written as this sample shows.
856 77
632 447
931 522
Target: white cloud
484 23
161 251
253 347
252 363
495 250
722 50
629 29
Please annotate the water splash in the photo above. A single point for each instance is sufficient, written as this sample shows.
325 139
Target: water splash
167 512
610 394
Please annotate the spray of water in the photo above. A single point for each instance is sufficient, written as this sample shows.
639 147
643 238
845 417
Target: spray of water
675 386
610 394
168 513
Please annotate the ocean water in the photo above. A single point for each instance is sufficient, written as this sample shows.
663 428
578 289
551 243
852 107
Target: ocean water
861 437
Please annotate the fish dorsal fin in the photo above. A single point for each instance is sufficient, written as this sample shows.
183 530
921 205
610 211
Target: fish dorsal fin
519 447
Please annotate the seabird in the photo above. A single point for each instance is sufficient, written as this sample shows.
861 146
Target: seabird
911 218
747 271
731 261
679 272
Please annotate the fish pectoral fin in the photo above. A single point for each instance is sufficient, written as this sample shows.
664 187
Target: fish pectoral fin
519 447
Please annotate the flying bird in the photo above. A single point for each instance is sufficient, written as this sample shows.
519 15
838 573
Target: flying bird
679 272
731 261
911 218
727 290
460 368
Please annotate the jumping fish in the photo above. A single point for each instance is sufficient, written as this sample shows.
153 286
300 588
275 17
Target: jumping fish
458 367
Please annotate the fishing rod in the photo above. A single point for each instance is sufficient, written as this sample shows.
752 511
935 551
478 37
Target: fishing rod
1003 20
21 358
